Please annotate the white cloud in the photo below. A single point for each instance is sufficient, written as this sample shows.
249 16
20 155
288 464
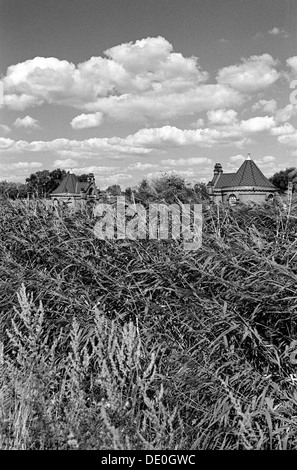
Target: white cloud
68 163
84 121
20 166
292 63
257 124
286 129
222 116
4 129
27 122
141 166
237 158
267 106
286 134
186 161
105 181
199 123
168 104
93 147
146 140
6 143
266 159
139 81
278 32
254 74
286 113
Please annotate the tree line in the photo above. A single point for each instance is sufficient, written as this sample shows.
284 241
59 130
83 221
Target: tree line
167 187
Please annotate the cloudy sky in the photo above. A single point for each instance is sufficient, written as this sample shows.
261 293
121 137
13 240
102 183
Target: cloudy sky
127 89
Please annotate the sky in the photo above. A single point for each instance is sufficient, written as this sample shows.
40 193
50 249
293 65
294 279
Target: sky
132 89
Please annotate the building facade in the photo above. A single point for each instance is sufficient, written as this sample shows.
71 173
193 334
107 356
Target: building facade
248 184
73 192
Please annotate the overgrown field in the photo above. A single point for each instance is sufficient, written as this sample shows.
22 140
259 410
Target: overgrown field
142 345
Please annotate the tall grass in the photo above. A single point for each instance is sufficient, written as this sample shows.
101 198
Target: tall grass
142 345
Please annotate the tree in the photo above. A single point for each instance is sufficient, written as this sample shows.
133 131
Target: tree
114 190
170 188
145 193
281 179
44 182
83 178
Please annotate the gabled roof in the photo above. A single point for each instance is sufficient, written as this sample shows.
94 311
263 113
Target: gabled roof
67 185
250 175
71 185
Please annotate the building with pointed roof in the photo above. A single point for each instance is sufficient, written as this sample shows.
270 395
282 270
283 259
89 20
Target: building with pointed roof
247 184
71 191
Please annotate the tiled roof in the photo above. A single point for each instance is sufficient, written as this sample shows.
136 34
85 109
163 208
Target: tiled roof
67 185
225 180
250 175
71 185
247 175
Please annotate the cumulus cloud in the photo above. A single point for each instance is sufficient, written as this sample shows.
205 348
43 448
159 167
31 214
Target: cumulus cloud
27 123
292 63
278 32
252 75
237 158
139 81
93 147
186 161
199 123
20 166
257 124
286 129
266 159
222 116
141 166
285 134
286 113
4 129
267 106
84 121
68 163
146 140
6 143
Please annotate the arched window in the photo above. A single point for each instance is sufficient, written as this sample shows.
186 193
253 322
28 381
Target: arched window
232 199
91 192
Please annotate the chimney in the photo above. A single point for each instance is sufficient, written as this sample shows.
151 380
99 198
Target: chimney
217 169
91 178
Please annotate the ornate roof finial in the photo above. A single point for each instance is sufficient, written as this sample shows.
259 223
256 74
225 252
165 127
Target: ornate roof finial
249 156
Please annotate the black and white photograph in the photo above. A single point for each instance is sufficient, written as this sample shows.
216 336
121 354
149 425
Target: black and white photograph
148 228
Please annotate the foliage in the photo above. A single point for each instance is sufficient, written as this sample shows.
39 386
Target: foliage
83 178
170 188
114 190
44 182
281 179
142 345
